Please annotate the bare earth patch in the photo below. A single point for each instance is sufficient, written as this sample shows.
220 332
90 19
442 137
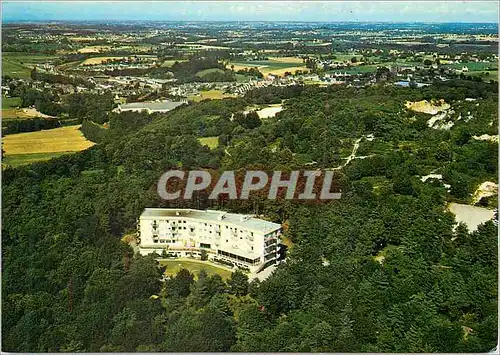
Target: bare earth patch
486 189
432 108
472 216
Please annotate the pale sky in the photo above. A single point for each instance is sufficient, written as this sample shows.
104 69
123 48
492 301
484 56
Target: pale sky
328 11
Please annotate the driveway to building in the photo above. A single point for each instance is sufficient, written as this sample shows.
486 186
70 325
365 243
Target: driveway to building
264 274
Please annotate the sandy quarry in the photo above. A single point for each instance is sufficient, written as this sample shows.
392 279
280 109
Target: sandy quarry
424 106
267 112
472 216
487 188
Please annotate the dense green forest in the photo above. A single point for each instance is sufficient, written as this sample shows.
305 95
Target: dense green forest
380 270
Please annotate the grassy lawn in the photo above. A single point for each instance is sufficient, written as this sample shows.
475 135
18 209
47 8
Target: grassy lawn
10 102
22 159
205 72
173 266
211 142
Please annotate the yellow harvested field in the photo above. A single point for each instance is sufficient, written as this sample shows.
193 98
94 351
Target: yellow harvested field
210 94
63 139
237 67
266 70
94 49
99 60
292 60
15 113
281 72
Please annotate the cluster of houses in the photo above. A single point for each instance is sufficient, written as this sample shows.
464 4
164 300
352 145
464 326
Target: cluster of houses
112 63
149 107
122 87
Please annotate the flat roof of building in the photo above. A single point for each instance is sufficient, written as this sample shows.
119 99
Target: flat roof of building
153 106
239 220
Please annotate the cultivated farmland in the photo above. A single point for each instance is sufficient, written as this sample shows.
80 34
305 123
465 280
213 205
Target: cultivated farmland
99 60
209 94
43 144
275 66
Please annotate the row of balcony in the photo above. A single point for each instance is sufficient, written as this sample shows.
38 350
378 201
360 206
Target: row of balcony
270 256
272 241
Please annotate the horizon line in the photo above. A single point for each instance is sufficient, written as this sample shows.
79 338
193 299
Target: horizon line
257 21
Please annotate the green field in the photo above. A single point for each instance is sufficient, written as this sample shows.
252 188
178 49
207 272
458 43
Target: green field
271 64
168 63
473 66
14 69
173 266
28 147
19 65
361 69
10 110
23 58
486 75
10 102
22 159
205 72
240 78
69 65
341 57
211 142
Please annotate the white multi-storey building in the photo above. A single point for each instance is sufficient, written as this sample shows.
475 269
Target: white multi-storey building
242 240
